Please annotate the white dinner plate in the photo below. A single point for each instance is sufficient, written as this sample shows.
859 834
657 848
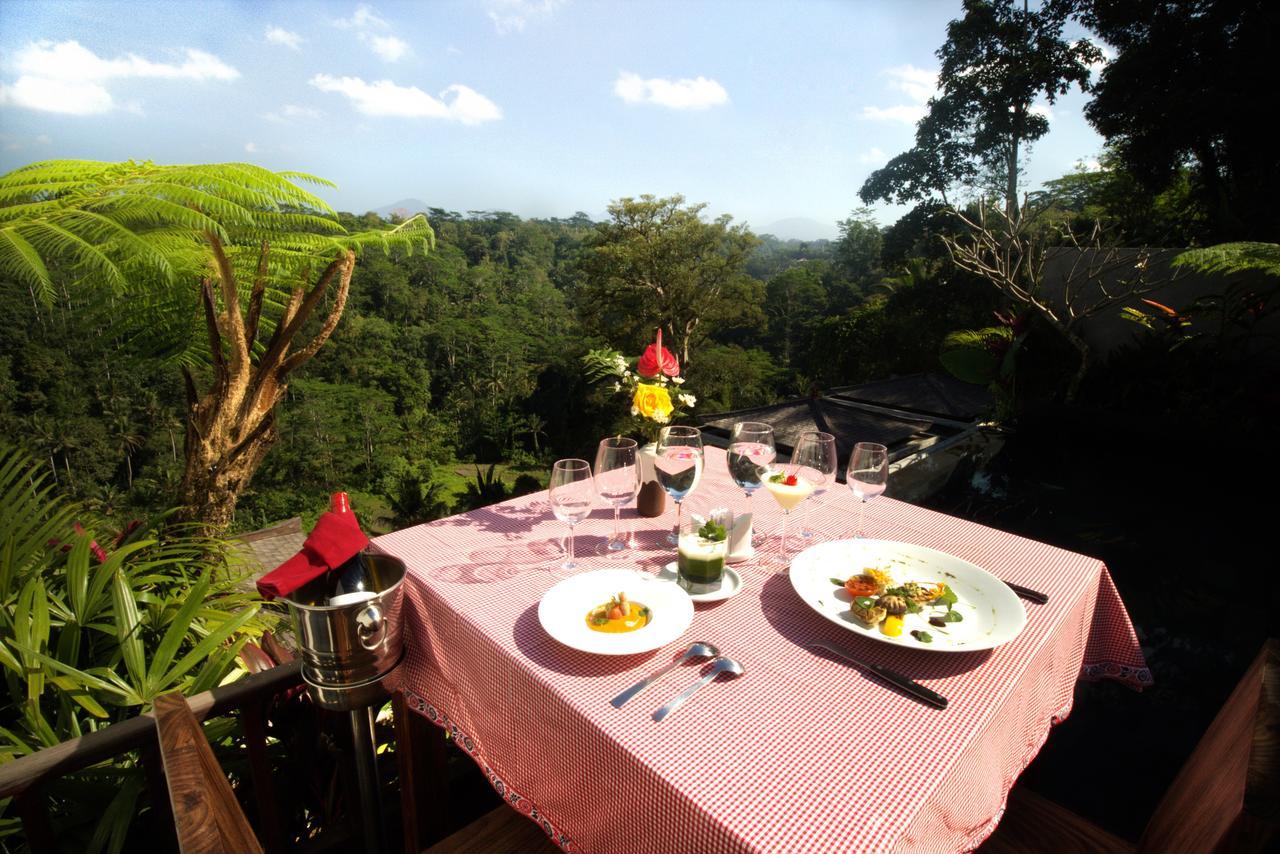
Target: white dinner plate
563 611
992 613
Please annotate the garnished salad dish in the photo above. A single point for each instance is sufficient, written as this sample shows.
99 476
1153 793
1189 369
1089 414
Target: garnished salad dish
619 614
878 601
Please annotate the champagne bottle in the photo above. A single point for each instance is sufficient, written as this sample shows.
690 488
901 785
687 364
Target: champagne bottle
353 576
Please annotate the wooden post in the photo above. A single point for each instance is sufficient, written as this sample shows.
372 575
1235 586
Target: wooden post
422 759
206 813
264 793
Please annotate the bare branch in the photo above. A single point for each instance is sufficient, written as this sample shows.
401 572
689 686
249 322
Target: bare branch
235 330
255 298
330 323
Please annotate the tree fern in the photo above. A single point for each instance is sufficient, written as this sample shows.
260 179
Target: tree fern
1233 258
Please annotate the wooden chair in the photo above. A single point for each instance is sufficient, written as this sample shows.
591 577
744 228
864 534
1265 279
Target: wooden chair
1226 798
205 811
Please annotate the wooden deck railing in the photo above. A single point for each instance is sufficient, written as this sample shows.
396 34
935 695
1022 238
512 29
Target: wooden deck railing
26 779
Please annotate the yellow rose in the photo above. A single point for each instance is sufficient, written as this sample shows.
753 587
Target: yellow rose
653 402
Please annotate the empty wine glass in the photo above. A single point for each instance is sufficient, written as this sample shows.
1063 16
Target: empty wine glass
868 473
821 464
571 494
617 481
678 467
751 452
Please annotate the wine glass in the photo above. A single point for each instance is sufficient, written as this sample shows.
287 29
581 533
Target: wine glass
617 480
792 485
821 464
868 473
678 467
751 452
571 492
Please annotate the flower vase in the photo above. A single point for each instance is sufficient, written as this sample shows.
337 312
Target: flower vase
652 500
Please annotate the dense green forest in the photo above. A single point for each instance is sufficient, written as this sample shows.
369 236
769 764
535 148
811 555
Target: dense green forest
468 354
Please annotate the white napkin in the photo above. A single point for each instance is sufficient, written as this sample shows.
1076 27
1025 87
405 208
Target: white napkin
740 540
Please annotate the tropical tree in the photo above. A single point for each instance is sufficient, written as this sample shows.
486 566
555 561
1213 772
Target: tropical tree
223 268
997 61
1185 88
656 262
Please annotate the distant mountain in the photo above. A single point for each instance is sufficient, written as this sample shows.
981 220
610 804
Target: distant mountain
404 206
801 228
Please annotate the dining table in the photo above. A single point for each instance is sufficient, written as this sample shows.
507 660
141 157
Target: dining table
800 753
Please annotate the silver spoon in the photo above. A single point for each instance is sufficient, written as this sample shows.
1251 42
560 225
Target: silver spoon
697 650
720 665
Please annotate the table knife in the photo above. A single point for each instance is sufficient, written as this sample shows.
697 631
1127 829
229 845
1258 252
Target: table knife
893 677
1027 593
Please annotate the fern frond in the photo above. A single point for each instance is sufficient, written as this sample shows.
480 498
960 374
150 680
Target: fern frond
309 179
52 240
19 259
1233 258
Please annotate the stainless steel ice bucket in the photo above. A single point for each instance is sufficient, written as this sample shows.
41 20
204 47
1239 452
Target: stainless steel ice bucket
350 645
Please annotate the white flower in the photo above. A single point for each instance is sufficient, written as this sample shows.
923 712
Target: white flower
660 418
687 399
626 374
635 410
617 386
678 380
620 362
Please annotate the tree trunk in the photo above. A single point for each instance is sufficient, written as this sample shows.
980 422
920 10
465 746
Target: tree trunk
231 426
215 477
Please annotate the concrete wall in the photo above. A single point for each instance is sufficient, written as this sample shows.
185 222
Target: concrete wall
1108 331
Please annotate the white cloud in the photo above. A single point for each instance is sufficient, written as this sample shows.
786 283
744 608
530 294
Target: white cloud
251 147
872 155
389 48
384 98
1041 110
512 15
281 36
696 94
905 113
918 84
68 78
364 16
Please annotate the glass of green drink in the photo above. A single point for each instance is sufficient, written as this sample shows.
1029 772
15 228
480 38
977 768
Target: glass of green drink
702 548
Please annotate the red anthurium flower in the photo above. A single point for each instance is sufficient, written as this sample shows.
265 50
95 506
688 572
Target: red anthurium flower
658 359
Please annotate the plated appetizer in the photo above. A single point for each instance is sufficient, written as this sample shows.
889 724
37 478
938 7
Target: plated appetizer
877 601
619 614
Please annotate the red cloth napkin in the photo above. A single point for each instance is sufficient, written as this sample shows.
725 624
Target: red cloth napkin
332 542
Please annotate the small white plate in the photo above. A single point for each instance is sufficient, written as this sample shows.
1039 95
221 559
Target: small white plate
991 611
563 611
730 586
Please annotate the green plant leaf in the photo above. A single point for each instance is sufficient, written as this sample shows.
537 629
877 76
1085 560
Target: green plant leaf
206 647
129 631
80 695
179 629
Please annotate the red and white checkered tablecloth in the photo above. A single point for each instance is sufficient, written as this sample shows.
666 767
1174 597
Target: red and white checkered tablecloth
799 754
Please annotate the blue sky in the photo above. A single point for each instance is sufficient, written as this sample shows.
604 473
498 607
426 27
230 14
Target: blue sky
764 110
